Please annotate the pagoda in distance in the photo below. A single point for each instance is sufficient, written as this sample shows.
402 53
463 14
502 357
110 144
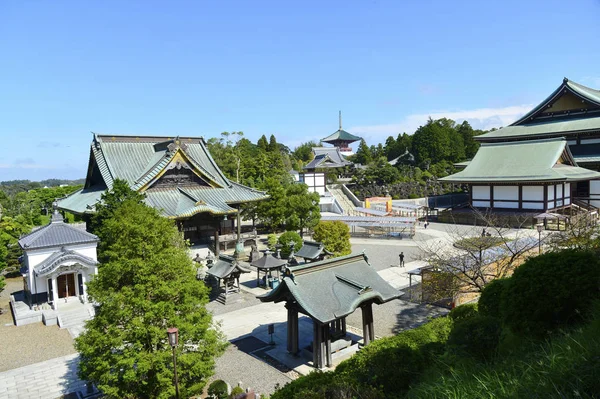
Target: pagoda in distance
341 139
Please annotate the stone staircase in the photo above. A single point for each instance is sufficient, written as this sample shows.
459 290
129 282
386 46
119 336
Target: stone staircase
342 199
74 318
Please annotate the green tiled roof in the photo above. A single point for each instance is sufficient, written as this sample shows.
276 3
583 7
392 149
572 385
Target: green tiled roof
225 266
141 161
332 288
588 94
340 135
550 128
522 161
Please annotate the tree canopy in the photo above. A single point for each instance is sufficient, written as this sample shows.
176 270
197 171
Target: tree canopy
146 284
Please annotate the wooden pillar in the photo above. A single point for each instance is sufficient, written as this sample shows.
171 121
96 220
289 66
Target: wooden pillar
545 197
317 354
217 245
367 319
344 326
327 344
292 330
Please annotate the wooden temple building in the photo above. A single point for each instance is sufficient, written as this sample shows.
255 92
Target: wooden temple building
546 161
327 292
177 175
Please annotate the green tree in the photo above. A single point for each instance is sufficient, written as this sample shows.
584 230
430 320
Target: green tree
262 143
363 154
335 236
302 208
304 151
110 201
146 284
273 211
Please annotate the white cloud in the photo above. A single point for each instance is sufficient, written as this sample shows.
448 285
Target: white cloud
482 118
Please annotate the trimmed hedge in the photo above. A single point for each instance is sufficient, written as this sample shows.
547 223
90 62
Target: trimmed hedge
392 364
491 298
463 312
477 336
286 239
551 291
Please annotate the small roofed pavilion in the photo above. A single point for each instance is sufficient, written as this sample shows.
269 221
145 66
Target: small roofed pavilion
327 292
341 139
266 264
229 270
312 251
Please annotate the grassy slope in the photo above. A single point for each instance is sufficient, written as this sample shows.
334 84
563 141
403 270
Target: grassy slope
567 366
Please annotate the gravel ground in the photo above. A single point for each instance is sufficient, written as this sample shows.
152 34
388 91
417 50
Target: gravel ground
29 344
236 366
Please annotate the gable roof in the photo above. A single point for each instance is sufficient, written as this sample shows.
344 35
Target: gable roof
585 94
578 112
332 288
144 162
340 135
54 261
312 250
327 157
56 234
225 266
522 161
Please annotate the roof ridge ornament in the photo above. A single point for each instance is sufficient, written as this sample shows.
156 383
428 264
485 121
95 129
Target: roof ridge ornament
56 216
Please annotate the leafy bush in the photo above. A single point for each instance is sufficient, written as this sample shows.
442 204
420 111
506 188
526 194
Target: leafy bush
491 297
463 312
271 241
218 390
328 385
335 236
476 335
392 364
551 291
236 391
286 239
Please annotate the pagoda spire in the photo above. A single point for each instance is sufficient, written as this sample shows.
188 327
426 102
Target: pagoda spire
340 120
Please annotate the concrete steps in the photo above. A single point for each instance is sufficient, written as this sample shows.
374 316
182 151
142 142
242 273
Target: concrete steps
74 319
342 199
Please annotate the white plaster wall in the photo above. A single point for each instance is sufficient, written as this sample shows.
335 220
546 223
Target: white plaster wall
595 203
559 191
568 190
501 204
533 193
506 193
309 180
481 192
320 179
320 190
533 205
551 204
590 141
567 200
481 204
594 186
551 192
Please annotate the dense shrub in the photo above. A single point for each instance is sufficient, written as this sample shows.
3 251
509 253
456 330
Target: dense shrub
335 236
271 241
392 364
490 299
328 385
476 335
550 291
235 392
218 390
463 312
286 239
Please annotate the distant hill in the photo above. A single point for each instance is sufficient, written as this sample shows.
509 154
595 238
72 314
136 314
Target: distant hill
43 183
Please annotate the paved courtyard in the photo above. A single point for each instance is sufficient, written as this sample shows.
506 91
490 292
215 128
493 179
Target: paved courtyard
46 354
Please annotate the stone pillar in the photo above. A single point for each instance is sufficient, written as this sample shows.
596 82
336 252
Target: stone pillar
367 319
84 293
292 331
54 293
217 245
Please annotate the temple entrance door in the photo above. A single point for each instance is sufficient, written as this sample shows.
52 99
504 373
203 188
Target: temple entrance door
66 285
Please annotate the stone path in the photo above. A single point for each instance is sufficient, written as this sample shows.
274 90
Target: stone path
46 380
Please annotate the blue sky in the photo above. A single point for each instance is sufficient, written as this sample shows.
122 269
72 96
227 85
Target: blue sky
273 67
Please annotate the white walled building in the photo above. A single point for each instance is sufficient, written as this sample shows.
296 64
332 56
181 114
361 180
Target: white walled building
58 260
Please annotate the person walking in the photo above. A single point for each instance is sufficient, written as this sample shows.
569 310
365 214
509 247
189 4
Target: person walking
401 256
